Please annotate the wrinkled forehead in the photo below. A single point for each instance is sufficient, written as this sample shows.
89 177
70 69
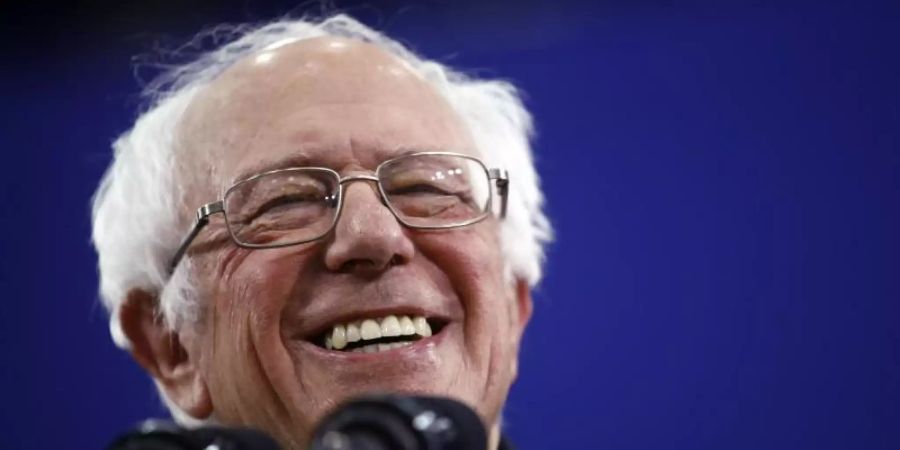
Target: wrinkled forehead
328 101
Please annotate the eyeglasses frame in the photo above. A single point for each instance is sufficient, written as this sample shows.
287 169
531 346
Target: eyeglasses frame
499 176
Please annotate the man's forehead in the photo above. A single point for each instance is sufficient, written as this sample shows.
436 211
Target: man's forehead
325 70
339 57
277 101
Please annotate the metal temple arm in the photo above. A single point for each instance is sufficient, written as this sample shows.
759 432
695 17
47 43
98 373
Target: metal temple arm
203 214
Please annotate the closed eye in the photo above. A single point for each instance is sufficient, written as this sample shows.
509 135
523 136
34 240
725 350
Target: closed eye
420 189
276 203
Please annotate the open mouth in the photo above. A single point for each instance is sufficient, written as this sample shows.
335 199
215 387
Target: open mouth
378 334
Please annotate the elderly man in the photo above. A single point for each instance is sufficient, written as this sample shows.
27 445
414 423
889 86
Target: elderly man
312 212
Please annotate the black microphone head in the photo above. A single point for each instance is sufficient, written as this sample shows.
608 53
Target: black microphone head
157 435
238 438
401 422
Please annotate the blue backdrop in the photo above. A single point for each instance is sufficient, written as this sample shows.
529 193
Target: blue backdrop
724 180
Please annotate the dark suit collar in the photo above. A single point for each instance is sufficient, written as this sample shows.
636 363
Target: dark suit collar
505 444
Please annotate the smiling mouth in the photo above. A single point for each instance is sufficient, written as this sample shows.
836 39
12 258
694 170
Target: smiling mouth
378 334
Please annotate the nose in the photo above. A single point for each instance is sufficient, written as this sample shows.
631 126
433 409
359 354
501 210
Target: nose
367 237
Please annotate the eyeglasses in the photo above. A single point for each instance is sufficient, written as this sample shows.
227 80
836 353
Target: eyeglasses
284 207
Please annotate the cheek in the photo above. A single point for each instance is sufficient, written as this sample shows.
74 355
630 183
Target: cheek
248 356
470 256
255 286
471 259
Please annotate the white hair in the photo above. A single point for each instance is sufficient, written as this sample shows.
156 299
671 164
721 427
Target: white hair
137 209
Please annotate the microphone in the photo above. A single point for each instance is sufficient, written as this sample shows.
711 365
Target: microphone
373 422
400 422
161 435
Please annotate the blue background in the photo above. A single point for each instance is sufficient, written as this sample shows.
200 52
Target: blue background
724 179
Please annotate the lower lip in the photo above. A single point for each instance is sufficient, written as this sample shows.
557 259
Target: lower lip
415 349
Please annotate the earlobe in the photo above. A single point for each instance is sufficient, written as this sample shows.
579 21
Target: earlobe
525 306
161 352
523 315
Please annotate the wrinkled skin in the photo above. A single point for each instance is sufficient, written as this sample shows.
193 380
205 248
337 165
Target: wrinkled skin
348 106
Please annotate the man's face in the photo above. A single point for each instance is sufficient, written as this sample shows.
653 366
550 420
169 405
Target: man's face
347 106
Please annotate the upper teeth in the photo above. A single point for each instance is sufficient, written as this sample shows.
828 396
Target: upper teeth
369 329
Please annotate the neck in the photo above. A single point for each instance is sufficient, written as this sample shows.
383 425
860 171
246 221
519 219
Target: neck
494 436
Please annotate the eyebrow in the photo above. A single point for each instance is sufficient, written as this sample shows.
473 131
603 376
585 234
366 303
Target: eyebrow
268 165
298 160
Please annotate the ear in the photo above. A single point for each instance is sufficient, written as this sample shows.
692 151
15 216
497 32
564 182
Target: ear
523 300
161 353
524 307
